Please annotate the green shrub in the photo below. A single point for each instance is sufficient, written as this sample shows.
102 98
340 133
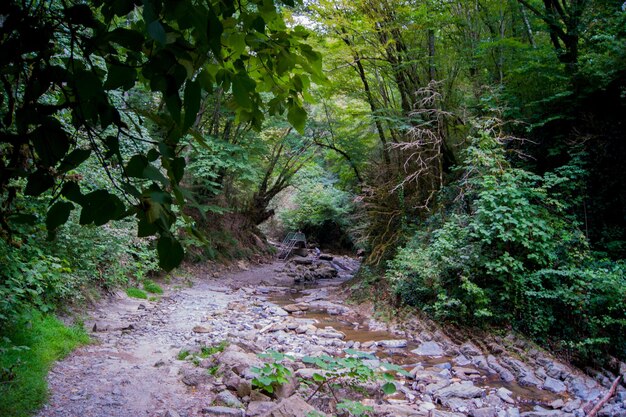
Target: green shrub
510 253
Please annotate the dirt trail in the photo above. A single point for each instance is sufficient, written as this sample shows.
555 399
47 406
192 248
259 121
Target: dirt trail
133 368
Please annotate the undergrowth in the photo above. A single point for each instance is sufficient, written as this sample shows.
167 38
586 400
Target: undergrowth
27 350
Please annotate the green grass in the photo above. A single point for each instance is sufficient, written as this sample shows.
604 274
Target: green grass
152 287
207 351
182 355
136 293
27 351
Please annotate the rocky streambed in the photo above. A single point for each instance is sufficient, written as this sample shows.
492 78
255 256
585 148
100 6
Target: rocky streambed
196 352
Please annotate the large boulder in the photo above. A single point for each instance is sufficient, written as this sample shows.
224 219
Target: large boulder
293 406
464 389
235 359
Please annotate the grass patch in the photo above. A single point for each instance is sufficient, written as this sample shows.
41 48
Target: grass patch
152 287
207 351
27 350
136 293
182 355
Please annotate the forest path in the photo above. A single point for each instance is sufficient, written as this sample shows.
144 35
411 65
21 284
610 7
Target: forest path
134 369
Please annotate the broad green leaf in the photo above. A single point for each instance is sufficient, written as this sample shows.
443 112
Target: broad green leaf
74 159
38 182
297 117
157 32
192 103
120 76
389 388
58 214
170 252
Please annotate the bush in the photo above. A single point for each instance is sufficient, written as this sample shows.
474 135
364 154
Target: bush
510 253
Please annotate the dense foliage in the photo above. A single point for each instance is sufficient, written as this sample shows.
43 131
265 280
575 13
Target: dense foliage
474 148
507 251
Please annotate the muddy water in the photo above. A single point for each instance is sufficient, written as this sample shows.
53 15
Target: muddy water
358 331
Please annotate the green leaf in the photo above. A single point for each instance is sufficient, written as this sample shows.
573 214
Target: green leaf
214 33
58 214
145 228
99 207
74 159
38 182
192 103
120 76
157 32
170 252
297 117
389 388
243 86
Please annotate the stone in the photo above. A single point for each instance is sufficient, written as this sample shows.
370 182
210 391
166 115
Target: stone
299 260
293 406
465 389
440 413
484 412
554 385
201 329
428 349
461 360
288 388
291 308
326 257
220 411
237 360
391 410
392 344
256 408
505 395
330 333
257 395
171 413
228 399
194 377
470 349
585 390
542 412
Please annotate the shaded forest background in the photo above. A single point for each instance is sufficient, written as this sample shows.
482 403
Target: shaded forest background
473 149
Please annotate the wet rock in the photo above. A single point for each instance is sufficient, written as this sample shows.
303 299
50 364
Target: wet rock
256 408
428 349
290 308
554 385
220 411
504 373
299 260
228 399
330 333
542 412
464 389
586 390
392 344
